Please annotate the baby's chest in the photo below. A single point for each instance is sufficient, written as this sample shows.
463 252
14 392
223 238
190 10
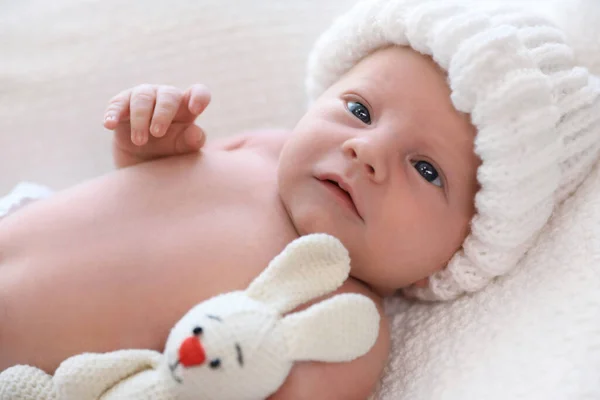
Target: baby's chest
225 247
190 227
230 224
130 253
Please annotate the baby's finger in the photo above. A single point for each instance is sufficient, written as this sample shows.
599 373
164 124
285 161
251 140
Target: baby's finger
199 98
118 109
142 107
182 141
191 140
195 100
168 100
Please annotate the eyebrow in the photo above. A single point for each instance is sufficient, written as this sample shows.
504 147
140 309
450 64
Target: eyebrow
240 356
214 317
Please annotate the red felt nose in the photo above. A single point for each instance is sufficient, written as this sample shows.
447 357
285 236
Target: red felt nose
191 352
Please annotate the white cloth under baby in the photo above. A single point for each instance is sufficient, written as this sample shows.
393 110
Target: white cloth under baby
22 194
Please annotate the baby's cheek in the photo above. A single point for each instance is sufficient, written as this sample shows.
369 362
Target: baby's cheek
403 254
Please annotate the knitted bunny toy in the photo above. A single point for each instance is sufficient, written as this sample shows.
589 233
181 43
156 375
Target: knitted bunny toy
238 345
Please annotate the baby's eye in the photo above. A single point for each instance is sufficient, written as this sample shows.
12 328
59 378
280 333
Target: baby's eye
428 172
360 111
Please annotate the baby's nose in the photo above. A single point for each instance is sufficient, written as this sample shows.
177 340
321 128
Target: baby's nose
191 352
368 155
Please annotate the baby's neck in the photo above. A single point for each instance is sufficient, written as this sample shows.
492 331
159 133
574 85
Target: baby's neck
288 215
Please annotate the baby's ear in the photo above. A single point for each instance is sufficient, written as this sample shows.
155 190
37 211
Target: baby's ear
341 328
307 268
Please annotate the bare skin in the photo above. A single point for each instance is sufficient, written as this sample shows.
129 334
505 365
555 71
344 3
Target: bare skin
113 263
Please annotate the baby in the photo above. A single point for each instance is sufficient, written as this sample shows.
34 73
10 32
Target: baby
439 141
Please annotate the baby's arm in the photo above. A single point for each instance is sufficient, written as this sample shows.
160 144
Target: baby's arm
152 121
354 380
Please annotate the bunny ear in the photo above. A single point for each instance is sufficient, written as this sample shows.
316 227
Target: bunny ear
309 267
338 329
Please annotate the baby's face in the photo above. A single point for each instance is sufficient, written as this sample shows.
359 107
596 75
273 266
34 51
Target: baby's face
388 134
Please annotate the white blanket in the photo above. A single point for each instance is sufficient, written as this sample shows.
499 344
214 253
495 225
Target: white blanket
535 334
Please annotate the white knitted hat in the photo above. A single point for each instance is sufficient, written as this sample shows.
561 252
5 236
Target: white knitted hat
537 115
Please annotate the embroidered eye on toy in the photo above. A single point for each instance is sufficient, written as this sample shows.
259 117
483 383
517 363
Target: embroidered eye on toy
238 345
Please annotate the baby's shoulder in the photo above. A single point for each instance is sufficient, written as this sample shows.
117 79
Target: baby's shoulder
269 141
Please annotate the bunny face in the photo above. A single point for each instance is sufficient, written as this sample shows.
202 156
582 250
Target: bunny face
239 346
228 347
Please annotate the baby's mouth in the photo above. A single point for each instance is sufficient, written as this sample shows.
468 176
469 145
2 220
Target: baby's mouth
346 195
341 188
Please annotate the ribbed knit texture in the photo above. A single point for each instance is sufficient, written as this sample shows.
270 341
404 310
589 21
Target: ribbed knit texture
537 115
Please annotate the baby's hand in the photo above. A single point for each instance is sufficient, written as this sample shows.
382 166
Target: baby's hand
153 121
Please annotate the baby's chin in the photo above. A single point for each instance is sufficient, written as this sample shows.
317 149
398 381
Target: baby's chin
383 291
309 219
376 286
